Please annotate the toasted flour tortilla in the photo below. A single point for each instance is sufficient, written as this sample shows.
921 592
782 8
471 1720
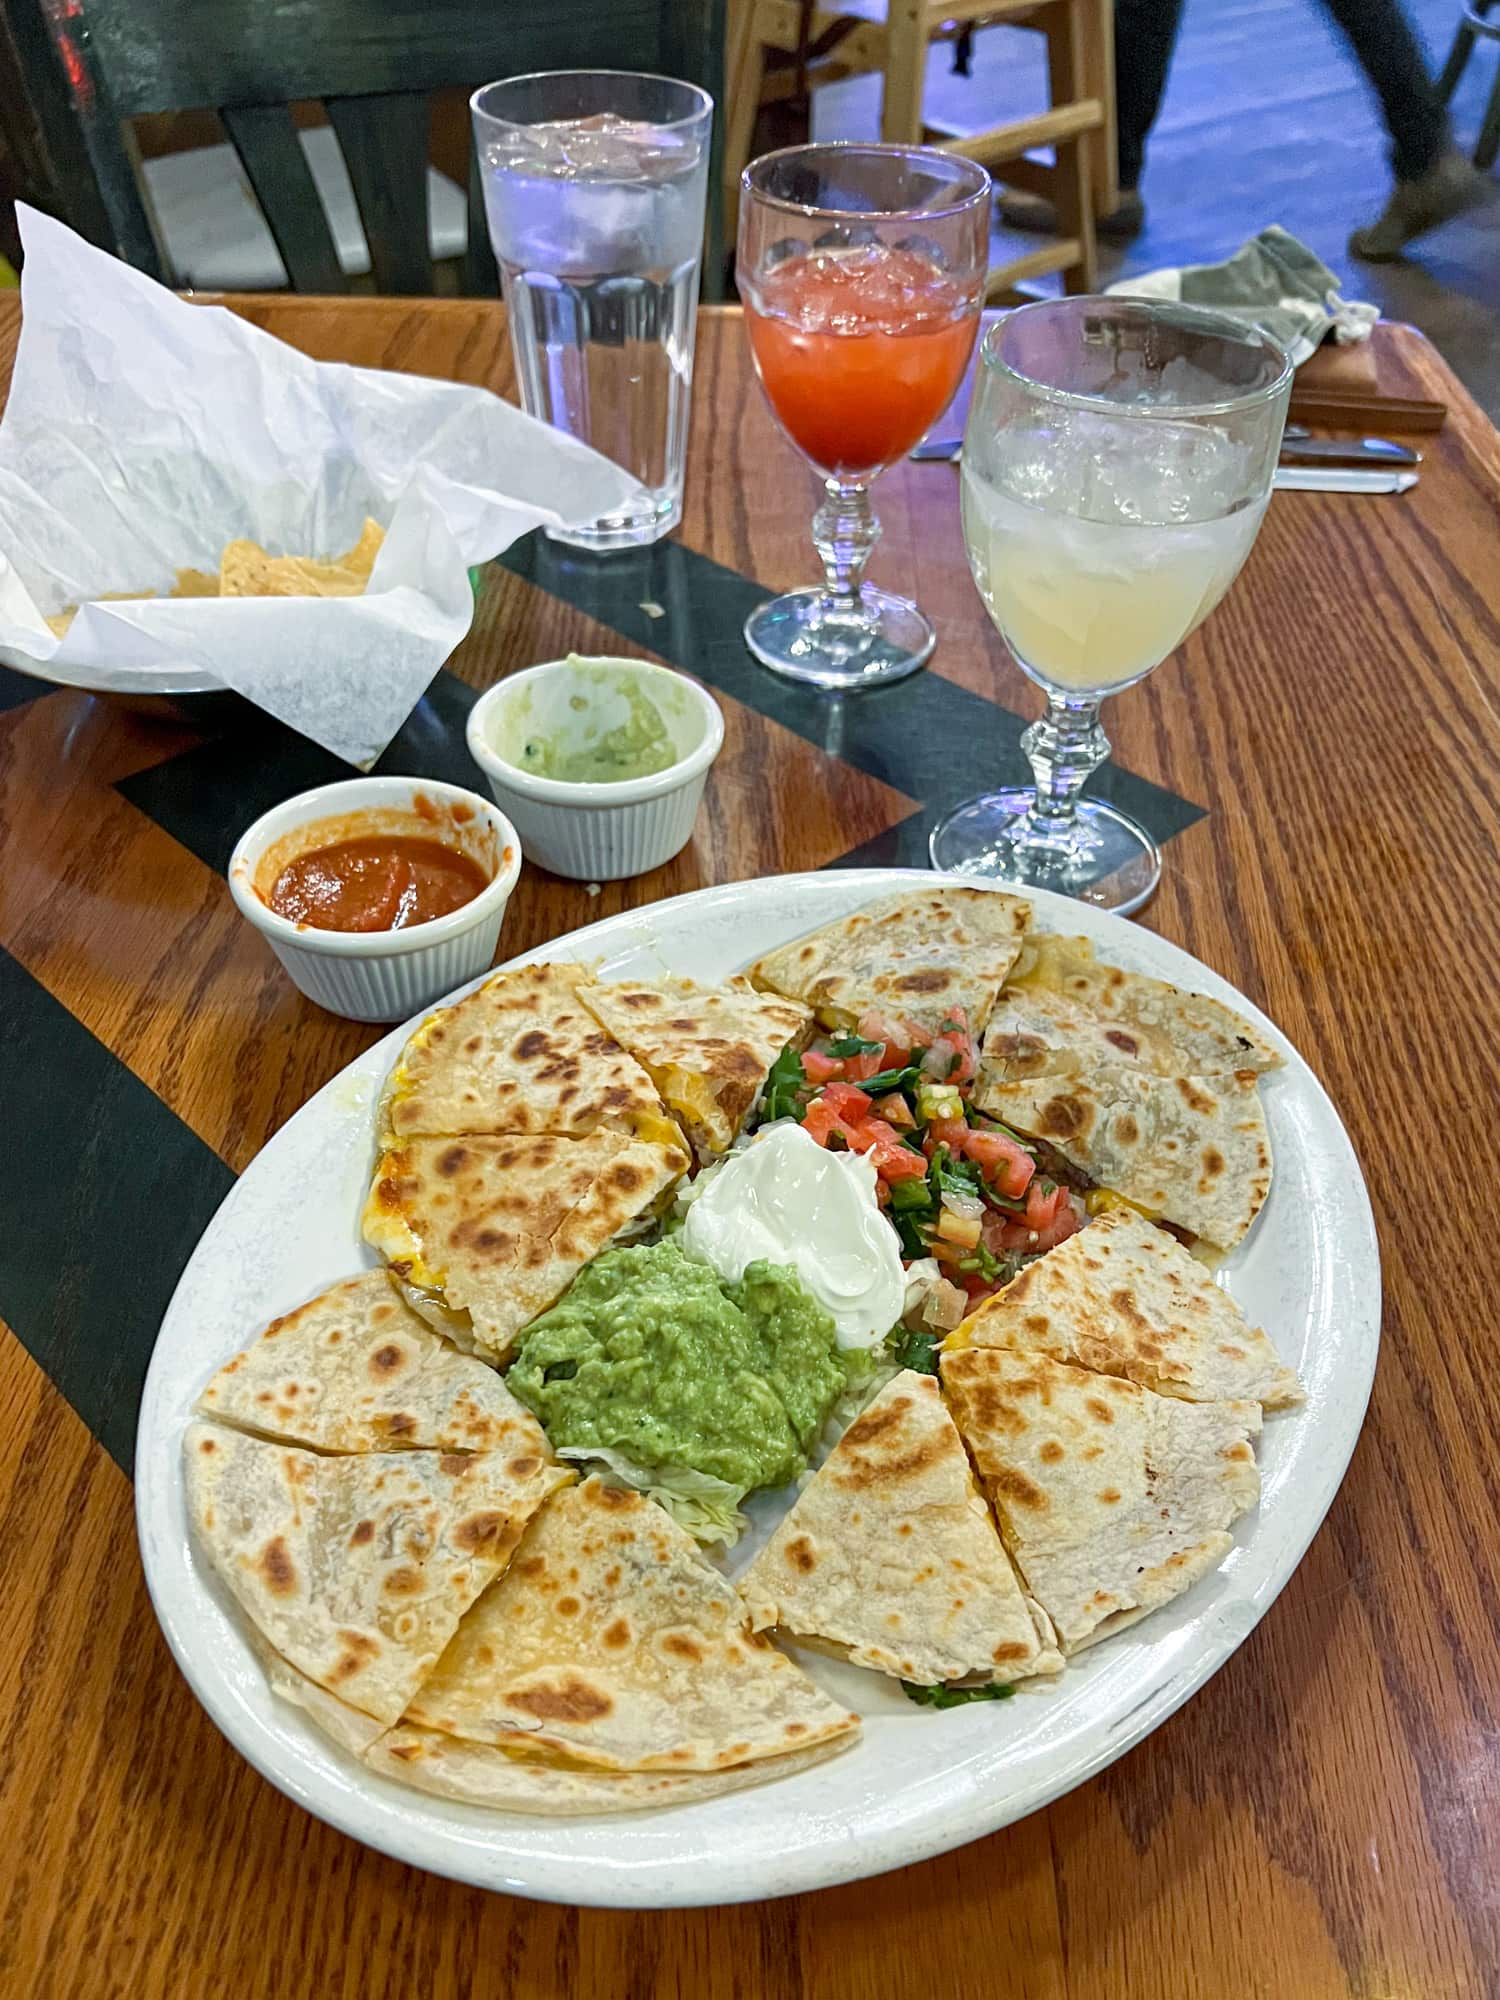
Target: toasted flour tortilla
1193 1149
357 1370
357 1570
1123 1298
891 1557
1064 1012
478 1774
521 1054
612 1642
919 953
484 1233
707 1049
1112 1500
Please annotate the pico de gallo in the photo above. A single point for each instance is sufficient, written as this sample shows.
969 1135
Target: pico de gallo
962 1191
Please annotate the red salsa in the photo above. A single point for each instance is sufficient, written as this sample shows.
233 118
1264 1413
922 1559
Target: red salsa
378 882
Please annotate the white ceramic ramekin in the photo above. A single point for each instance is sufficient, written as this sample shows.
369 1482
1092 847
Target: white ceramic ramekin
379 975
598 833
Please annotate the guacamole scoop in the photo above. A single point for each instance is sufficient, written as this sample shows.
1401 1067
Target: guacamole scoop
651 1356
638 746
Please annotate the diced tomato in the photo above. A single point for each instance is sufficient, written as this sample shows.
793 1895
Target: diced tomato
846 1101
822 1121
820 1068
950 1132
1005 1165
978 1288
1063 1225
900 1037
1043 1199
895 1110
857 1068
1013 1234
893 1161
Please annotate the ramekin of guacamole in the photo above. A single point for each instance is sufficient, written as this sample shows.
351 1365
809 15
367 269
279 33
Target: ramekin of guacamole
651 1358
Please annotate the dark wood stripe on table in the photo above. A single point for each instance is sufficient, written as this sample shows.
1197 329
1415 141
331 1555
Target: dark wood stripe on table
107 1197
18 688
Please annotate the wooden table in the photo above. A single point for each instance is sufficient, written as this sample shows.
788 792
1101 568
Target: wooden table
1321 1820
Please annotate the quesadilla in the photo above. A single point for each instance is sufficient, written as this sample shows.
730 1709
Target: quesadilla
612 1643
1063 1013
1112 1500
706 1049
481 1775
357 1570
356 1370
891 1558
1123 1298
520 1054
1191 1148
920 954
485 1233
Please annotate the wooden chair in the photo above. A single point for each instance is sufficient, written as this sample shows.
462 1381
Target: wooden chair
781 50
90 66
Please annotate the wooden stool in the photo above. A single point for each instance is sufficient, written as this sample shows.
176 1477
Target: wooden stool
1475 23
782 50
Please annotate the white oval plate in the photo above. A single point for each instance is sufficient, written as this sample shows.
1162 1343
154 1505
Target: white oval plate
920 1781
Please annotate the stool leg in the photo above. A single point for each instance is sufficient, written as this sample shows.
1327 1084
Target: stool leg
905 72
1489 133
1458 58
1070 178
746 74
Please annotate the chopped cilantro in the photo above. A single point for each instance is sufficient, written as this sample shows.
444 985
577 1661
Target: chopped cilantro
940 1696
918 1349
786 1079
854 1045
950 1176
890 1079
909 1228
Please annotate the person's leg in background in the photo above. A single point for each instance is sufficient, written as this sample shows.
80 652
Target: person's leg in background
1145 36
1433 180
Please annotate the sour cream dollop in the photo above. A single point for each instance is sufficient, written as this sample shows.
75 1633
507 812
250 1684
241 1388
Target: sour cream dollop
786 1200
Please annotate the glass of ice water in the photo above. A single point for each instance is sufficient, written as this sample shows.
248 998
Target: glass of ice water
594 185
1116 467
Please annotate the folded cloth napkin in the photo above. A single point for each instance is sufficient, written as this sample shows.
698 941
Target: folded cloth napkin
1273 280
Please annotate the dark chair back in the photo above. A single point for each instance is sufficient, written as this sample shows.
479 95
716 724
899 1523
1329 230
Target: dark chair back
90 67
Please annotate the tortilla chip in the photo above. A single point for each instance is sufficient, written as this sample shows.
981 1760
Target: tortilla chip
484 1233
890 1555
613 1643
1193 1149
919 953
357 1570
480 1775
195 583
706 1048
521 1054
248 570
1124 1298
1111 1500
357 1370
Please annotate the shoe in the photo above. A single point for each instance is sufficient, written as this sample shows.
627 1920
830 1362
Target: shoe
1037 215
1444 191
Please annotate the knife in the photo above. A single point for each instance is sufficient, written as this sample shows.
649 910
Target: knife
1297 450
1343 479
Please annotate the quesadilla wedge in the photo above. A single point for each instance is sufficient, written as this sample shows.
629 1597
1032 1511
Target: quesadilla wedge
706 1049
1083 1011
356 1370
1193 1149
520 1054
357 1570
1124 1298
485 1233
891 1558
919 953
1111 1500
611 1642
481 1775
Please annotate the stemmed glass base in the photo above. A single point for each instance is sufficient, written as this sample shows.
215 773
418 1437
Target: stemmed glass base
828 641
1106 860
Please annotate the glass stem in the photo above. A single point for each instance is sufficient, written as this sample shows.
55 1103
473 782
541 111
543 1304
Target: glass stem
1064 749
844 531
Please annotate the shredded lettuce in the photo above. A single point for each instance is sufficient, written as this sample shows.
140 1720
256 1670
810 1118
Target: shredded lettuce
706 1507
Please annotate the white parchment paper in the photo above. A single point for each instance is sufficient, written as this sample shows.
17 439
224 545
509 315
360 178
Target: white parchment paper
143 432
